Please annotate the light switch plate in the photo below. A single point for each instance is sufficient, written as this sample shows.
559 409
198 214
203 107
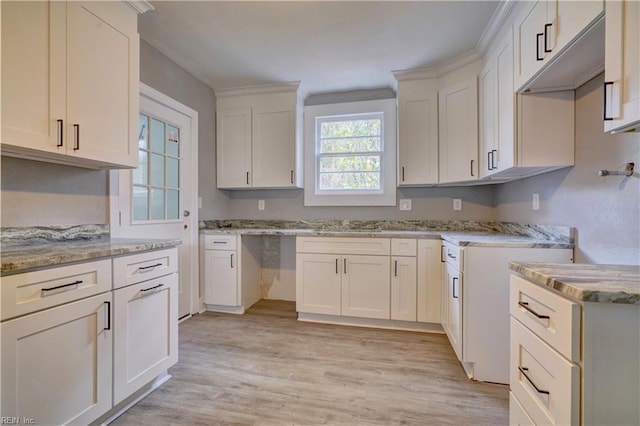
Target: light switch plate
457 204
260 204
536 201
405 204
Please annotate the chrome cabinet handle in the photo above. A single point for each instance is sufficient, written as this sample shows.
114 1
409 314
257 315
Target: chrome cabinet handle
60 133
76 130
523 370
526 307
75 283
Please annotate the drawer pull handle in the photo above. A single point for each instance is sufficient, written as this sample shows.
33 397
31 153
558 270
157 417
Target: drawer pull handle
155 287
526 307
62 286
453 288
220 242
524 370
108 327
451 256
146 268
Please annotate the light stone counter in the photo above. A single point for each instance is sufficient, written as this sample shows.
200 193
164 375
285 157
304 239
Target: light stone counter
42 247
586 283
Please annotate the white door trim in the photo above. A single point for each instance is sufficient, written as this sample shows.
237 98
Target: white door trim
148 92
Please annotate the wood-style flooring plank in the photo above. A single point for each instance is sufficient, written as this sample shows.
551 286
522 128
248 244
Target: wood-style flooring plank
266 368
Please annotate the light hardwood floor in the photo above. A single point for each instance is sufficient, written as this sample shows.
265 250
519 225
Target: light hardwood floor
266 368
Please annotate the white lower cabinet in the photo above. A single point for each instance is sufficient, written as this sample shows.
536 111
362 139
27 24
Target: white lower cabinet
57 363
145 333
404 288
318 283
221 285
365 286
452 292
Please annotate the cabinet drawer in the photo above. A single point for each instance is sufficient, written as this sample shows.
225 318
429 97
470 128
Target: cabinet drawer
551 317
339 245
544 382
453 255
133 269
220 242
34 291
403 247
517 415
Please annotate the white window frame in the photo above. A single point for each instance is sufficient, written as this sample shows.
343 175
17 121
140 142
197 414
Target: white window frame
387 195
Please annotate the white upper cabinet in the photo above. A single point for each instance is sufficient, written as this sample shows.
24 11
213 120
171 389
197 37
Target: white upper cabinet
458 131
622 66
258 139
70 83
418 132
520 135
543 32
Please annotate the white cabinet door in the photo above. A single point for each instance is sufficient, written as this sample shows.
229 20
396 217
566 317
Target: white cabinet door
146 333
273 157
429 284
221 278
57 363
33 84
74 98
403 288
622 65
418 132
454 309
504 155
233 148
366 286
318 283
102 83
458 131
529 36
487 85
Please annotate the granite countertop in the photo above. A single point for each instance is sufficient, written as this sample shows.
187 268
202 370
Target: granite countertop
17 258
586 283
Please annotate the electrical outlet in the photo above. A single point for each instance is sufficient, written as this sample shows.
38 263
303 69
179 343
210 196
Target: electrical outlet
457 204
405 204
536 201
260 204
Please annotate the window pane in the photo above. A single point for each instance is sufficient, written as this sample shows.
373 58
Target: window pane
350 181
143 132
157 170
157 136
140 203
350 128
173 141
141 174
173 176
157 203
350 145
370 163
172 204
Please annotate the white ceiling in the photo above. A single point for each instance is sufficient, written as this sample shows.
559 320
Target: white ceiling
328 45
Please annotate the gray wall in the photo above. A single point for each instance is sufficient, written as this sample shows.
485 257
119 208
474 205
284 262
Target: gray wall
605 210
35 193
159 72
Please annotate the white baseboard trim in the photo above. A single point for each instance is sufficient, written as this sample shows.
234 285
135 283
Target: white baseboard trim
424 327
226 309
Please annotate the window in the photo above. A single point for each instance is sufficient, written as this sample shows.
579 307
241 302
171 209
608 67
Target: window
156 181
350 154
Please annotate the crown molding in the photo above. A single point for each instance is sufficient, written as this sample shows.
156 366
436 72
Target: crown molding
416 74
458 62
500 16
140 6
435 72
258 89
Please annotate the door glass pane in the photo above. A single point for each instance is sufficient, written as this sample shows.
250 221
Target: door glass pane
172 204
173 141
143 132
140 203
157 204
157 170
172 173
141 174
157 136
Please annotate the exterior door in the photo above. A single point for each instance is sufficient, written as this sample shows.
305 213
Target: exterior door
159 198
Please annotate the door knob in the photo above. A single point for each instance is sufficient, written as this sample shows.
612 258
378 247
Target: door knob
186 213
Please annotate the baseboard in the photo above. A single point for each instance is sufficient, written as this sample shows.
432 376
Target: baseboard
424 327
226 309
